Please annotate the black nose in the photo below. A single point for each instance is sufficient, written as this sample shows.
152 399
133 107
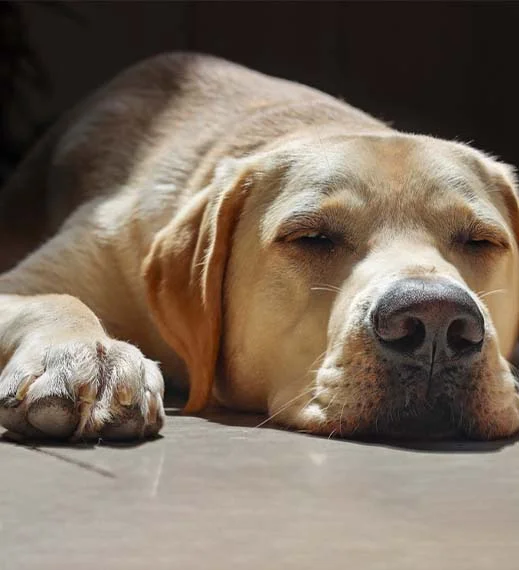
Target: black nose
427 320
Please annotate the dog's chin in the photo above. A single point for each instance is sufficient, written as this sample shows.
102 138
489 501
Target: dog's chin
429 421
435 422
438 421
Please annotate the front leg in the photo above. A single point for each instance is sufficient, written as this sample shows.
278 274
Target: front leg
63 373
64 377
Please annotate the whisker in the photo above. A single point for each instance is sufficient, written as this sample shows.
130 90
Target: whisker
325 287
340 418
483 295
330 403
311 371
311 401
308 389
286 405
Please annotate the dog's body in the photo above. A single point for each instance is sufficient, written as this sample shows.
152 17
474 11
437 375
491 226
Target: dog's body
145 203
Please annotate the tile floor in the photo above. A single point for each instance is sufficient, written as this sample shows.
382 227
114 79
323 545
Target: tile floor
219 494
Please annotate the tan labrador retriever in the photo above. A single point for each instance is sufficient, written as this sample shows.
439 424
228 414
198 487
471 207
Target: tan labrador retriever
292 254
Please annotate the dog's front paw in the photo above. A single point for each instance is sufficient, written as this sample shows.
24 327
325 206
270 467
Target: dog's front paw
81 389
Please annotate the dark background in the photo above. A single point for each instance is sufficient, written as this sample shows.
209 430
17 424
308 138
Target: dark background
447 69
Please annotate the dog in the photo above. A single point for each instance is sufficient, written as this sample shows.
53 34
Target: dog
274 248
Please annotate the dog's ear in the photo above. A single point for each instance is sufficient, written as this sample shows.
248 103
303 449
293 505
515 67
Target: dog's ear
507 183
184 273
503 189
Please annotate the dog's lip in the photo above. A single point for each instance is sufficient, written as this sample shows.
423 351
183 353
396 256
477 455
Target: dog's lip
434 420
437 420
417 429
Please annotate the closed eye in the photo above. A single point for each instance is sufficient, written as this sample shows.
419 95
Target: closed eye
314 232
479 243
312 239
481 240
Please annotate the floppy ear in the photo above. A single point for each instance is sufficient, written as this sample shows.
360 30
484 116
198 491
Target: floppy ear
184 273
503 177
507 184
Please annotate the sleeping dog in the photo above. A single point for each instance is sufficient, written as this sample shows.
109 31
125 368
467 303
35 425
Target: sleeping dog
275 249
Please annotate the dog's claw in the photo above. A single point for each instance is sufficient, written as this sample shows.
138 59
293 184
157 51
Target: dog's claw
87 393
73 392
24 387
84 417
153 408
125 396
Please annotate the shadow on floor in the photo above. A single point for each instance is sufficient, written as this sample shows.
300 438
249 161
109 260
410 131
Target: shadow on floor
253 421
223 417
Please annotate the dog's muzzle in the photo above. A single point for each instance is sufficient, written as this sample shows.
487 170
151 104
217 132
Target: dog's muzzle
429 332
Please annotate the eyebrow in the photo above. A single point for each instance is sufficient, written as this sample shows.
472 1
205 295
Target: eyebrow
310 219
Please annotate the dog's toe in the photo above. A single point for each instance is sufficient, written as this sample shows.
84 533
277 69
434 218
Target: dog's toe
82 390
14 420
54 416
129 425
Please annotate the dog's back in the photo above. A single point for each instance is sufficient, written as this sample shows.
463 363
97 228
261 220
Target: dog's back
154 122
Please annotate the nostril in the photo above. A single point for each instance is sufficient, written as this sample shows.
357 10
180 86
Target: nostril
428 319
464 335
402 333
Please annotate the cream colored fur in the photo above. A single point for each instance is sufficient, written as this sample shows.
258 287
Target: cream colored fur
174 201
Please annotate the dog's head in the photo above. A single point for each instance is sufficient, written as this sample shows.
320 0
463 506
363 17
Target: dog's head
349 285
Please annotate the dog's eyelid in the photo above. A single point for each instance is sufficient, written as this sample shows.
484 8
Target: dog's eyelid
310 234
482 234
291 231
295 229
316 222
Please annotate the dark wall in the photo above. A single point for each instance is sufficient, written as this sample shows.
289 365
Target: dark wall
442 68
